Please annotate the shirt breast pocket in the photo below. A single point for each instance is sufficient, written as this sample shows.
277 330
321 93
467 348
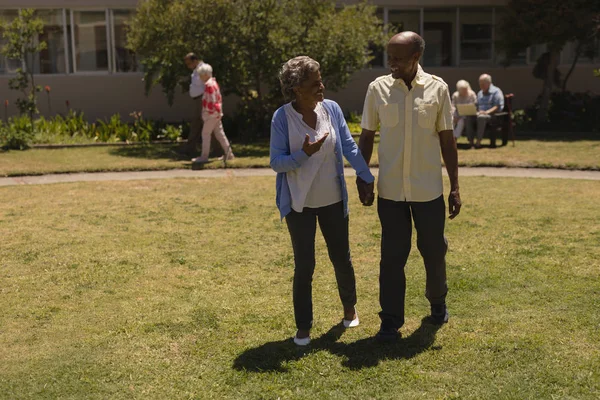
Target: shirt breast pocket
389 115
427 115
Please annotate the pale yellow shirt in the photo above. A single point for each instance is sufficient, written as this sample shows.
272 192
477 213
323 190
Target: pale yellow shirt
410 166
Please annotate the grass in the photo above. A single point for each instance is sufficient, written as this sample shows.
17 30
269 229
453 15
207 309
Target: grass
582 154
181 288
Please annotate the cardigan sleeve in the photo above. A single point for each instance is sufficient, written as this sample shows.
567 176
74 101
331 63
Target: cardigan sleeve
281 158
349 146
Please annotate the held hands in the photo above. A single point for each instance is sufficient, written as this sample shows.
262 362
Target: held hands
311 148
365 192
454 204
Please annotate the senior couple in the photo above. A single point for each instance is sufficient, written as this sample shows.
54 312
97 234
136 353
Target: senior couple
309 137
489 101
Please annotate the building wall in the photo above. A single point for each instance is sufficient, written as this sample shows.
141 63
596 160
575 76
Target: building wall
101 94
68 3
430 3
516 80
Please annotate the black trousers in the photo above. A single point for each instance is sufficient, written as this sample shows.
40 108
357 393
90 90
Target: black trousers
334 226
396 224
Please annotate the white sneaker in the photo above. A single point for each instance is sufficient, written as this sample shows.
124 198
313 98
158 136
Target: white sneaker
352 324
302 342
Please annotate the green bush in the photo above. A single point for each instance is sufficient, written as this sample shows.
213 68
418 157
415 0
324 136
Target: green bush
73 128
568 112
17 134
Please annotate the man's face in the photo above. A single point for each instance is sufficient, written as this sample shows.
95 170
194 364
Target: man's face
403 61
191 64
484 85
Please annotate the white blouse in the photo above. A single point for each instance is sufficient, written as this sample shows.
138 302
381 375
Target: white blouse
316 183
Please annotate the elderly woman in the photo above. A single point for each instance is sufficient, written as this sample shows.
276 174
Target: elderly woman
463 95
309 135
212 112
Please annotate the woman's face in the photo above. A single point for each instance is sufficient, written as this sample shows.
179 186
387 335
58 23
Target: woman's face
463 91
311 89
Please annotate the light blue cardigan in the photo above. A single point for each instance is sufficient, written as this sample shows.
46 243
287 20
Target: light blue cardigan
282 161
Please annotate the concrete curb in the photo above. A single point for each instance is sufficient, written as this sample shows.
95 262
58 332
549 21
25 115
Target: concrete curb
251 172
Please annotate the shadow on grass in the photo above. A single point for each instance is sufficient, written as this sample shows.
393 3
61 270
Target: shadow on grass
151 151
172 151
364 353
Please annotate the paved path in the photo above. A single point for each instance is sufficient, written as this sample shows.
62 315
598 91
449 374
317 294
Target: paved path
223 173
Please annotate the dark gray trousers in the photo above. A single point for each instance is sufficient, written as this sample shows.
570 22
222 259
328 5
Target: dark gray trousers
396 225
303 228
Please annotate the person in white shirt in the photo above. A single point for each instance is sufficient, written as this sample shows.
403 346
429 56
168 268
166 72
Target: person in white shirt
193 62
309 137
415 114
463 95
212 113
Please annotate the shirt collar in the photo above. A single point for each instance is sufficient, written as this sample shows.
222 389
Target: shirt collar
419 79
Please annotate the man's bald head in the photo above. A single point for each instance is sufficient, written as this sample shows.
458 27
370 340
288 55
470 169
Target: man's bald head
404 52
411 39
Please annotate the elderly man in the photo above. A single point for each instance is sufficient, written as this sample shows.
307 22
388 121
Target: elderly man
415 114
196 91
490 100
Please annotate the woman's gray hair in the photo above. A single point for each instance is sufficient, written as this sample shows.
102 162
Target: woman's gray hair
205 69
294 72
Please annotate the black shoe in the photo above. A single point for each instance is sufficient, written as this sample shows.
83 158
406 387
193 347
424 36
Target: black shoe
387 333
439 314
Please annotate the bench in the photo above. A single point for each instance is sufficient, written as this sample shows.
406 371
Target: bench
502 122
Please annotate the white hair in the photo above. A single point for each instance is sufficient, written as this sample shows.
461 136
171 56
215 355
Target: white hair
486 78
462 84
205 69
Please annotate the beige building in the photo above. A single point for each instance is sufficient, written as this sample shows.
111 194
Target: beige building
87 63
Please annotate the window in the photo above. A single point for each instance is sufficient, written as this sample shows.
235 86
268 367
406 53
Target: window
125 59
476 36
376 49
90 40
587 56
535 52
500 56
440 37
53 59
7 66
400 21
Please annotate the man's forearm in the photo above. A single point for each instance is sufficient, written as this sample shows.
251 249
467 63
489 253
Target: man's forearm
365 144
492 110
450 156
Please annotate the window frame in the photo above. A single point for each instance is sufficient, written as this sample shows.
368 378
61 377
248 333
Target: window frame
68 19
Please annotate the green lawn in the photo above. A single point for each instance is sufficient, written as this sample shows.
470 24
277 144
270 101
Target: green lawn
583 154
181 288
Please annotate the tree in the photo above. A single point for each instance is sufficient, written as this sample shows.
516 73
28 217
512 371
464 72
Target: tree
550 22
21 35
247 41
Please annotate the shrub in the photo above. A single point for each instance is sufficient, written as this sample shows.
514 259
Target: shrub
17 134
568 112
575 112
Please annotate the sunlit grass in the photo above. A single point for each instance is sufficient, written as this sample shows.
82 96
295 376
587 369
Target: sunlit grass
182 289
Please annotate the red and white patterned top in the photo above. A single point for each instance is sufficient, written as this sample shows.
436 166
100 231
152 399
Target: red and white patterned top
212 102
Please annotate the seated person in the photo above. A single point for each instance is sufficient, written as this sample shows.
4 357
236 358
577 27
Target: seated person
463 95
490 100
